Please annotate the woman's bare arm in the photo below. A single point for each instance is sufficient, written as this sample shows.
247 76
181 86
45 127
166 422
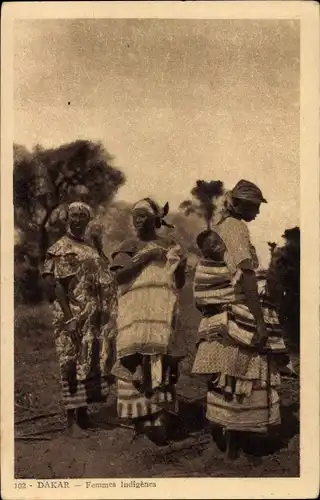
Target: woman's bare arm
56 291
48 281
180 274
250 290
132 269
62 299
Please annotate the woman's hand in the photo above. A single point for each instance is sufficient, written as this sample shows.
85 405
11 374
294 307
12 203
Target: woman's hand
262 335
49 287
183 261
261 329
159 254
71 326
155 254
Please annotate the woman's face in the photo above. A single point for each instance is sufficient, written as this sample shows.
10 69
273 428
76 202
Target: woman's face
248 210
143 221
78 223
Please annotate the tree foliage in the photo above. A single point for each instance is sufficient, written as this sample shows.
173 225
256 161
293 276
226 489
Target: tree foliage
284 282
45 181
205 194
272 246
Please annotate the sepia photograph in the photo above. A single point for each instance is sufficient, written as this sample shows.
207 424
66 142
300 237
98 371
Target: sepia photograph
156 215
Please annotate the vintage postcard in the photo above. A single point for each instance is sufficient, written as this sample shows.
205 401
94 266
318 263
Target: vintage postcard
159 250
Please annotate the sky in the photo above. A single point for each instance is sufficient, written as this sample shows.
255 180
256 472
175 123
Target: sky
173 100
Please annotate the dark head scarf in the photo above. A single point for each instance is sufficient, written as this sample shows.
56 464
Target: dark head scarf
245 191
154 209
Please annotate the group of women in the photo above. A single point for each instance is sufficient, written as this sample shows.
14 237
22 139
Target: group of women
115 323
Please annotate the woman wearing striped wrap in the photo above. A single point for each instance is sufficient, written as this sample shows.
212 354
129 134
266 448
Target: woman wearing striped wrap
240 344
83 294
150 271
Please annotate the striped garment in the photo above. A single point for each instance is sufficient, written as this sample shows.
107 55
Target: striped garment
213 287
133 404
243 386
212 284
254 414
242 393
146 326
82 393
146 409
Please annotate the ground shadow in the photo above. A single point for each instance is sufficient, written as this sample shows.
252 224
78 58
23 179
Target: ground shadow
191 415
191 418
106 416
276 439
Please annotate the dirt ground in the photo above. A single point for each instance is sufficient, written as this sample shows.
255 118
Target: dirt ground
42 450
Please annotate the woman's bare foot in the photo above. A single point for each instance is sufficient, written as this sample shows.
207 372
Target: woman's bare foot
158 435
138 379
75 432
83 420
73 429
232 448
218 438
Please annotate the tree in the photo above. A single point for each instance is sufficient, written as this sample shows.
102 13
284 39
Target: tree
284 283
45 181
205 194
272 246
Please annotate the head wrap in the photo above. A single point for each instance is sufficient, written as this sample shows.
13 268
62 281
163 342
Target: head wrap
79 207
243 190
247 191
150 206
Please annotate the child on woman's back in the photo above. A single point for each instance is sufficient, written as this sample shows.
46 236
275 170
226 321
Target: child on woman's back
211 245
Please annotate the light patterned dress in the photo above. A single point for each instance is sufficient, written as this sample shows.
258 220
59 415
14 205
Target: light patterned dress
147 324
92 297
244 382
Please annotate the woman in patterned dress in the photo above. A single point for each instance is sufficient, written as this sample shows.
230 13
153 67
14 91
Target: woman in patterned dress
150 270
83 294
240 344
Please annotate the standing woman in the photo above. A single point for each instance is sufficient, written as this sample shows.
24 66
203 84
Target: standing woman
84 302
240 345
150 270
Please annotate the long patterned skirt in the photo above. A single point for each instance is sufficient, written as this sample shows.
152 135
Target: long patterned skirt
243 386
78 388
145 411
145 405
84 392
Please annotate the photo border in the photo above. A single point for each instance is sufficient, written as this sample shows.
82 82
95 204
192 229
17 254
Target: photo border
307 485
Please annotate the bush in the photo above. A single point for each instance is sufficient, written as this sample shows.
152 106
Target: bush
284 281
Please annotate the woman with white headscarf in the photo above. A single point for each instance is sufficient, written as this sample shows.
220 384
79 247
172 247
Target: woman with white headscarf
150 270
84 303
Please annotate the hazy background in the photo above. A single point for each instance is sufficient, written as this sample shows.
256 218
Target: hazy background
173 100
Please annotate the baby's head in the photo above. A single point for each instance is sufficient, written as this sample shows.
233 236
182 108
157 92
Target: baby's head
211 245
